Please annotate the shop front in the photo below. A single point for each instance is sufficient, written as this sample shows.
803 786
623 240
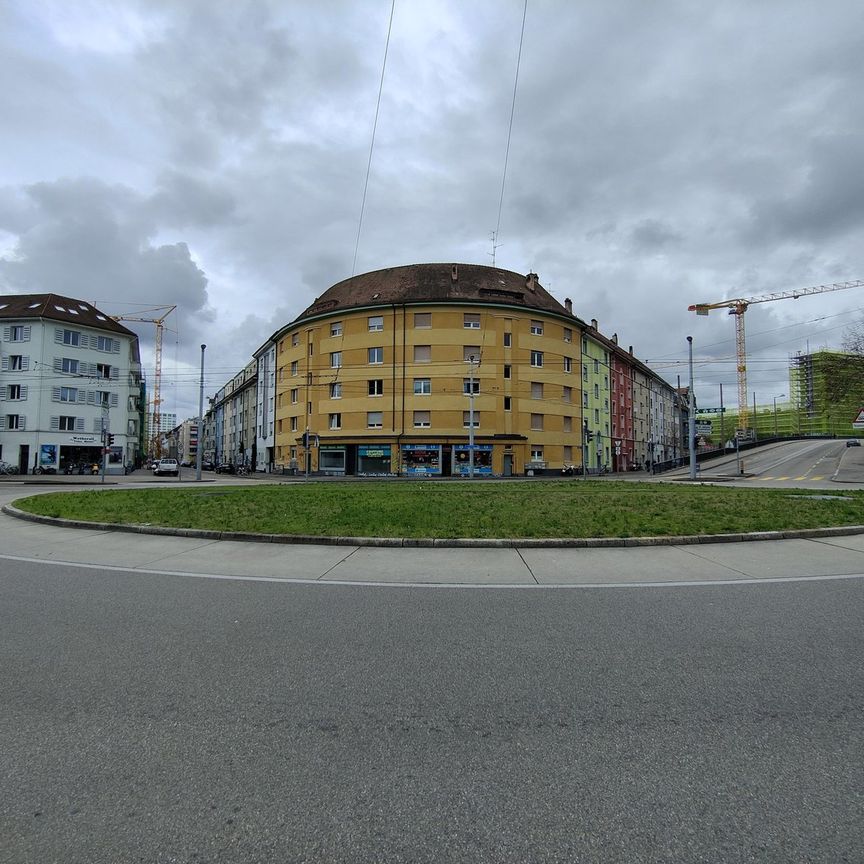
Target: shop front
421 460
80 453
331 460
482 460
374 461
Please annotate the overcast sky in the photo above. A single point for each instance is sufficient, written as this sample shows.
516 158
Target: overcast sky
213 155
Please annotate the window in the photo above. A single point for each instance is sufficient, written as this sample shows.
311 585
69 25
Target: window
68 394
507 403
295 392
508 340
70 337
67 424
584 373
536 453
103 370
536 390
104 343
422 386
568 364
334 421
506 371
376 355
466 419
605 382
293 424
16 363
469 385
374 419
376 322
471 353
422 419
471 321
14 392
568 334
13 421
537 422
584 346
103 398
596 367
596 415
584 399
376 387
606 404
18 333
568 424
568 453
293 367
311 349
309 379
537 358
69 366
308 407
335 359
336 328
295 340
536 328
596 391
336 390
567 394
422 320
422 353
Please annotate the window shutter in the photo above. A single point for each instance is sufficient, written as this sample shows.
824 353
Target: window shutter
115 371
79 424
91 397
26 334
82 396
115 400
25 364
115 346
97 424
83 341
58 364
55 394
55 424
58 336
2 422
4 365
22 422
3 391
7 334
23 391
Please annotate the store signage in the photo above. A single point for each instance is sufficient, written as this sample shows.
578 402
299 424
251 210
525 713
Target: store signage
83 439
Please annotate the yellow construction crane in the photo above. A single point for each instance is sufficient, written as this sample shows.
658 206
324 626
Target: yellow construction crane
155 437
737 308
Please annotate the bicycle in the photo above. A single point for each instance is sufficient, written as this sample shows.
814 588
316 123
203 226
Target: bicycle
6 468
242 471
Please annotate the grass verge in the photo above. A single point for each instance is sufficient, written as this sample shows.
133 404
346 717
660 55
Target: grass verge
445 510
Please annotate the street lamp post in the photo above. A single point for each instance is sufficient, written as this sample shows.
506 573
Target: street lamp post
471 418
200 419
778 396
691 430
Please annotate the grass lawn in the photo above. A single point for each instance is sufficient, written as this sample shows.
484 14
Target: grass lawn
447 510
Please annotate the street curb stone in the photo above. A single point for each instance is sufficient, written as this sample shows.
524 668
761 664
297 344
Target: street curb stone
439 543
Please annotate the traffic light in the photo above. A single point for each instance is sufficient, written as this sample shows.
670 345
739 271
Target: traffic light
110 439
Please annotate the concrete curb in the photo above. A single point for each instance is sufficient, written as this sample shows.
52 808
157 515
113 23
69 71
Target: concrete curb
441 543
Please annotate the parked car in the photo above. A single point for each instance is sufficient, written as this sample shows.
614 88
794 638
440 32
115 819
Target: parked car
225 468
208 465
853 442
166 466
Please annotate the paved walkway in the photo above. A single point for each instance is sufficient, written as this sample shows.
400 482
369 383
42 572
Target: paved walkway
735 562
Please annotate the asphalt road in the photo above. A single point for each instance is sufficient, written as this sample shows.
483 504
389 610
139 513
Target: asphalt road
169 719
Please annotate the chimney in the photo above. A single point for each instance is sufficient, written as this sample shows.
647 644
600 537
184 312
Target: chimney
454 273
615 338
531 281
631 350
594 323
568 305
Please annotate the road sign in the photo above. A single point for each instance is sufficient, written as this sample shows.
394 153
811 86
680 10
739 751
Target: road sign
703 428
710 410
858 422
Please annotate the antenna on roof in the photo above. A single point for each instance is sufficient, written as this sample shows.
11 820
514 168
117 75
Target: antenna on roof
493 236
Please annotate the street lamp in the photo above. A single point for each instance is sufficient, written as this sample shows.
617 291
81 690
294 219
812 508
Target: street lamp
199 454
778 396
691 426
471 361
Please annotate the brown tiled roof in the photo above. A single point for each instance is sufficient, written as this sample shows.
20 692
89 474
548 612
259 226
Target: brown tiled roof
436 283
58 308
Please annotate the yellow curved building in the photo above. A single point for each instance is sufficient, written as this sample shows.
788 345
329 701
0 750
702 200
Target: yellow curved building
380 369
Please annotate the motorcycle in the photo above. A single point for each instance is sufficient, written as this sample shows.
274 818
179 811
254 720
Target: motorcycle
44 469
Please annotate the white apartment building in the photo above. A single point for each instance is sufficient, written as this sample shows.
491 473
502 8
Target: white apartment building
68 374
265 408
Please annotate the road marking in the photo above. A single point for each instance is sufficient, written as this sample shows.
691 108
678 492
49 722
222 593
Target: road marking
532 586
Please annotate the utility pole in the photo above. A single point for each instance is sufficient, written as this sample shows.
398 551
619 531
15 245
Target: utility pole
471 417
200 419
691 431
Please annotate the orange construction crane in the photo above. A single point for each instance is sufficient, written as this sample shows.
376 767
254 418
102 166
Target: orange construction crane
737 308
156 415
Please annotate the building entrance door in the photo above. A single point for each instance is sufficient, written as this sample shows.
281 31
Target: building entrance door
508 464
23 458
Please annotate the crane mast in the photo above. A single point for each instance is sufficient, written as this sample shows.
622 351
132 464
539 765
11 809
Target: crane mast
738 307
156 414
